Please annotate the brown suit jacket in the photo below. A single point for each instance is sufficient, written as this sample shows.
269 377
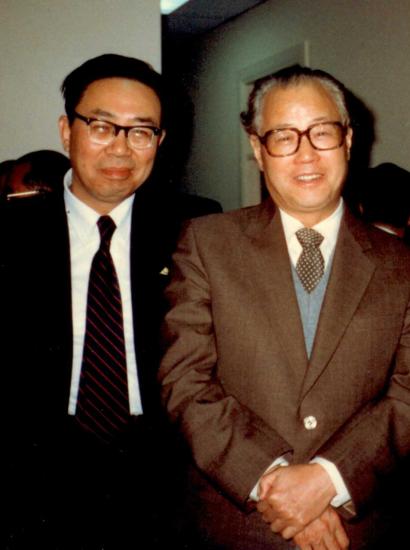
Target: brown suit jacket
237 380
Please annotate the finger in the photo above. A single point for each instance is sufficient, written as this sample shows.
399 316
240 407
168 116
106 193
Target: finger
277 526
316 545
266 482
288 532
263 489
338 530
330 542
342 538
268 515
262 506
266 511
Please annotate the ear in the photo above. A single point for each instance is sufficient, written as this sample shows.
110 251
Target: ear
257 150
349 141
65 132
162 137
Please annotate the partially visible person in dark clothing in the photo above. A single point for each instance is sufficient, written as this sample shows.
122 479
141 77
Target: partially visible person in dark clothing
5 168
36 172
384 198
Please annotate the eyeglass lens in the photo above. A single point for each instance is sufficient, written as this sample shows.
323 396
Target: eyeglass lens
139 137
286 141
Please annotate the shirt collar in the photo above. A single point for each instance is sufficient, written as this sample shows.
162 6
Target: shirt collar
329 228
83 219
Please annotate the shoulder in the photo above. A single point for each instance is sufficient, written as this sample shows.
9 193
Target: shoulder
243 221
44 202
189 206
382 247
25 219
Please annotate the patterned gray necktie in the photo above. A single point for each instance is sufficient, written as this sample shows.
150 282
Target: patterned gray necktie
310 265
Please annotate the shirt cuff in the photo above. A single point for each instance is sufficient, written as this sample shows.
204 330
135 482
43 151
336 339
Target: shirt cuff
280 461
343 494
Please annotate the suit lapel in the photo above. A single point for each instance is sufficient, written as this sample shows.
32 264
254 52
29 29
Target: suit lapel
149 256
139 264
278 297
57 252
350 276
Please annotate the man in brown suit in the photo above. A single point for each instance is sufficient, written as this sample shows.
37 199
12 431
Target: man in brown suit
288 350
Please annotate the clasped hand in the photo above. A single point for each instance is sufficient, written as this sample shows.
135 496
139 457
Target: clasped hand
295 500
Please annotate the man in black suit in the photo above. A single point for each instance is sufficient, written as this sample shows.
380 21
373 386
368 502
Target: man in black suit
65 488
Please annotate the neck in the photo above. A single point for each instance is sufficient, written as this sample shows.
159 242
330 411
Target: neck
310 219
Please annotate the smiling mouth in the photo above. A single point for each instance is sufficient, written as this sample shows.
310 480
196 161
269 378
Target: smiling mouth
116 173
308 177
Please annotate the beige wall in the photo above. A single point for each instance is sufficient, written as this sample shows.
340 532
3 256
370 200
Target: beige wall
364 43
41 41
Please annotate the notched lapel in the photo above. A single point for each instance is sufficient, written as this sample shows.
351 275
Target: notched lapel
351 274
273 272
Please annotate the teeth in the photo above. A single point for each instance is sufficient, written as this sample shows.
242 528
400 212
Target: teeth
308 177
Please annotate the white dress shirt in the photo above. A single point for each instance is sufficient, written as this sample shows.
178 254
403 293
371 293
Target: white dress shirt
329 228
84 243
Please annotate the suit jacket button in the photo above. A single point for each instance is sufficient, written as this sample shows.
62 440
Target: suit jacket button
310 422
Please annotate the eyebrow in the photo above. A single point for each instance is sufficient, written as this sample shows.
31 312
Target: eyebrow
316 120
137 119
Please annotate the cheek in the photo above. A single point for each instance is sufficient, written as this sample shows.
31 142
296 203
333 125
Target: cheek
83 155
144 161
277 172
340 168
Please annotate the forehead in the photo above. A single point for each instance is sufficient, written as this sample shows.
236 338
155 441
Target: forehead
120 96
290 104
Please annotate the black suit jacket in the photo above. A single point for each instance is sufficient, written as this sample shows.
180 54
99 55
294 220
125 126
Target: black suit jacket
45 456
36 289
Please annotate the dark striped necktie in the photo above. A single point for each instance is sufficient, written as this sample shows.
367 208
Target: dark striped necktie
102 404
310 265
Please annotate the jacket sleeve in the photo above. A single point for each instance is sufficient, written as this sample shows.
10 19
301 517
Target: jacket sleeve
372 448
229 443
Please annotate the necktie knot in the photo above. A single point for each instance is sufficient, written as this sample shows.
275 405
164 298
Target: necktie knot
309 237
106 226
310 265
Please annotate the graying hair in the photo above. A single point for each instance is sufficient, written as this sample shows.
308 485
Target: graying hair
291 76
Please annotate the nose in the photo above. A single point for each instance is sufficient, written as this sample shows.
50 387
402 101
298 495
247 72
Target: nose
119 145
306 152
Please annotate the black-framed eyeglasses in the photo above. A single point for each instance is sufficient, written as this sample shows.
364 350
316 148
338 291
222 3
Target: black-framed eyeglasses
103 132
323 136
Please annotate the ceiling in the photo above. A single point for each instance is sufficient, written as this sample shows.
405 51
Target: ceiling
199 16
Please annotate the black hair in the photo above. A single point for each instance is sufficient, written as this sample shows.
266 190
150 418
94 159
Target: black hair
110 66
45 171
385 195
